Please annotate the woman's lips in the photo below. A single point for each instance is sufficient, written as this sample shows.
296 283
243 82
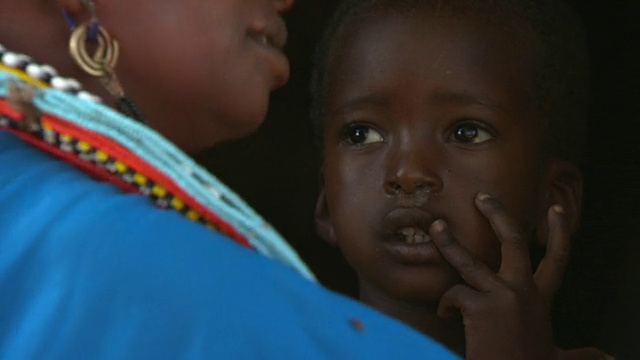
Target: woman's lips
266 40
272 37
270 33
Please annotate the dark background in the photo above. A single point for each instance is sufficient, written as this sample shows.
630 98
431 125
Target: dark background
276 172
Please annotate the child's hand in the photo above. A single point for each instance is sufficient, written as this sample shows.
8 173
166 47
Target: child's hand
506 314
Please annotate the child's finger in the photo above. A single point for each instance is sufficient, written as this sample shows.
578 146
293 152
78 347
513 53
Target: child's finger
551 269
472 270
516 264
456 298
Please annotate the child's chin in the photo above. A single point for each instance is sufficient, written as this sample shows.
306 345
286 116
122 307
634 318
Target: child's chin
428 290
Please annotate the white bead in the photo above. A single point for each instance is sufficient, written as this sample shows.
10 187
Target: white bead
73 84
14 60
7 58
65 84
57 82
66 147
88 96
49 70
35 71
49 136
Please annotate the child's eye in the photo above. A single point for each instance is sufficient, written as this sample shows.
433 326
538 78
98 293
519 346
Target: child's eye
359 134
470 133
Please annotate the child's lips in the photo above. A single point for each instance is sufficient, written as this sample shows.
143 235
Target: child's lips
402 219
407 236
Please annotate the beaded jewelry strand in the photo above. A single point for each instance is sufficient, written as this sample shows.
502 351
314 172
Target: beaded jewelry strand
25 68
150 147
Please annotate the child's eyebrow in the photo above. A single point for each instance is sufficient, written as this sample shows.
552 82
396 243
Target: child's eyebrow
359 102
440 97
461 98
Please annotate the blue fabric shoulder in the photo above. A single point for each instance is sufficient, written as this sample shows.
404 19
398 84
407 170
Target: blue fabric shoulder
89 272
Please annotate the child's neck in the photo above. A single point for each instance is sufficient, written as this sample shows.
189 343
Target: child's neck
421 316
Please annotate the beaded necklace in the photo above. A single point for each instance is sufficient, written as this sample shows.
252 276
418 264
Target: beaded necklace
75 126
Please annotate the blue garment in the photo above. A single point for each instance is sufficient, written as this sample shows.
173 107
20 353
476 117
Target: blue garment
89 272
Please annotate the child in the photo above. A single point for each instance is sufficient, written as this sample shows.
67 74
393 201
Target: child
439 118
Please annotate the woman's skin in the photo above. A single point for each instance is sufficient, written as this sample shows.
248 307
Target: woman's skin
199 70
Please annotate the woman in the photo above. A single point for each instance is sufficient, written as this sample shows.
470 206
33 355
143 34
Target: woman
100 256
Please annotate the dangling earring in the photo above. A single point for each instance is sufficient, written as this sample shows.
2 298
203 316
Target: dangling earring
103 61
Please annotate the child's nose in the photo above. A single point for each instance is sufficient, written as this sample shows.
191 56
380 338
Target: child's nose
411 171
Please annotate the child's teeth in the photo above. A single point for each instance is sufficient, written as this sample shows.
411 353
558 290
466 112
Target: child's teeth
408 231
414 235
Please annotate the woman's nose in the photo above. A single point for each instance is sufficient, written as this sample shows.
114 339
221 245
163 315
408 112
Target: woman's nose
411 171
284 5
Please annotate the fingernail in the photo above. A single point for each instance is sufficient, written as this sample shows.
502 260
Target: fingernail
439 225
483 196
558 208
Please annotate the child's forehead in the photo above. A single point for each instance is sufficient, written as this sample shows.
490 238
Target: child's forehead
418 58
496 18
420 35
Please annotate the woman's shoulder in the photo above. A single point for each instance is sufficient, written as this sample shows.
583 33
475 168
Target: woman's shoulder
93 270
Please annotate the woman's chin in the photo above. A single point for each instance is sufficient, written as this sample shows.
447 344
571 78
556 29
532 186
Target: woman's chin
197 135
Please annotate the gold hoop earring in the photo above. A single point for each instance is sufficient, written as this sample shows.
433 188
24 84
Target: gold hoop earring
105 57
102 63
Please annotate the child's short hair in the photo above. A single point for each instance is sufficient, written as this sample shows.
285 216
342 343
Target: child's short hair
562 88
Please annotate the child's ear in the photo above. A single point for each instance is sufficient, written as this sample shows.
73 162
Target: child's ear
324 226
563 187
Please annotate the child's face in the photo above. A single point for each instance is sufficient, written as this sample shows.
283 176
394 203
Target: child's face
422 115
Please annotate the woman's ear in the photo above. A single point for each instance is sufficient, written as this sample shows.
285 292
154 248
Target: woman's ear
72 7
324 225
563 186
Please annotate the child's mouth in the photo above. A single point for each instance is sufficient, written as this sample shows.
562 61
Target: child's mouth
408 225
407 237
